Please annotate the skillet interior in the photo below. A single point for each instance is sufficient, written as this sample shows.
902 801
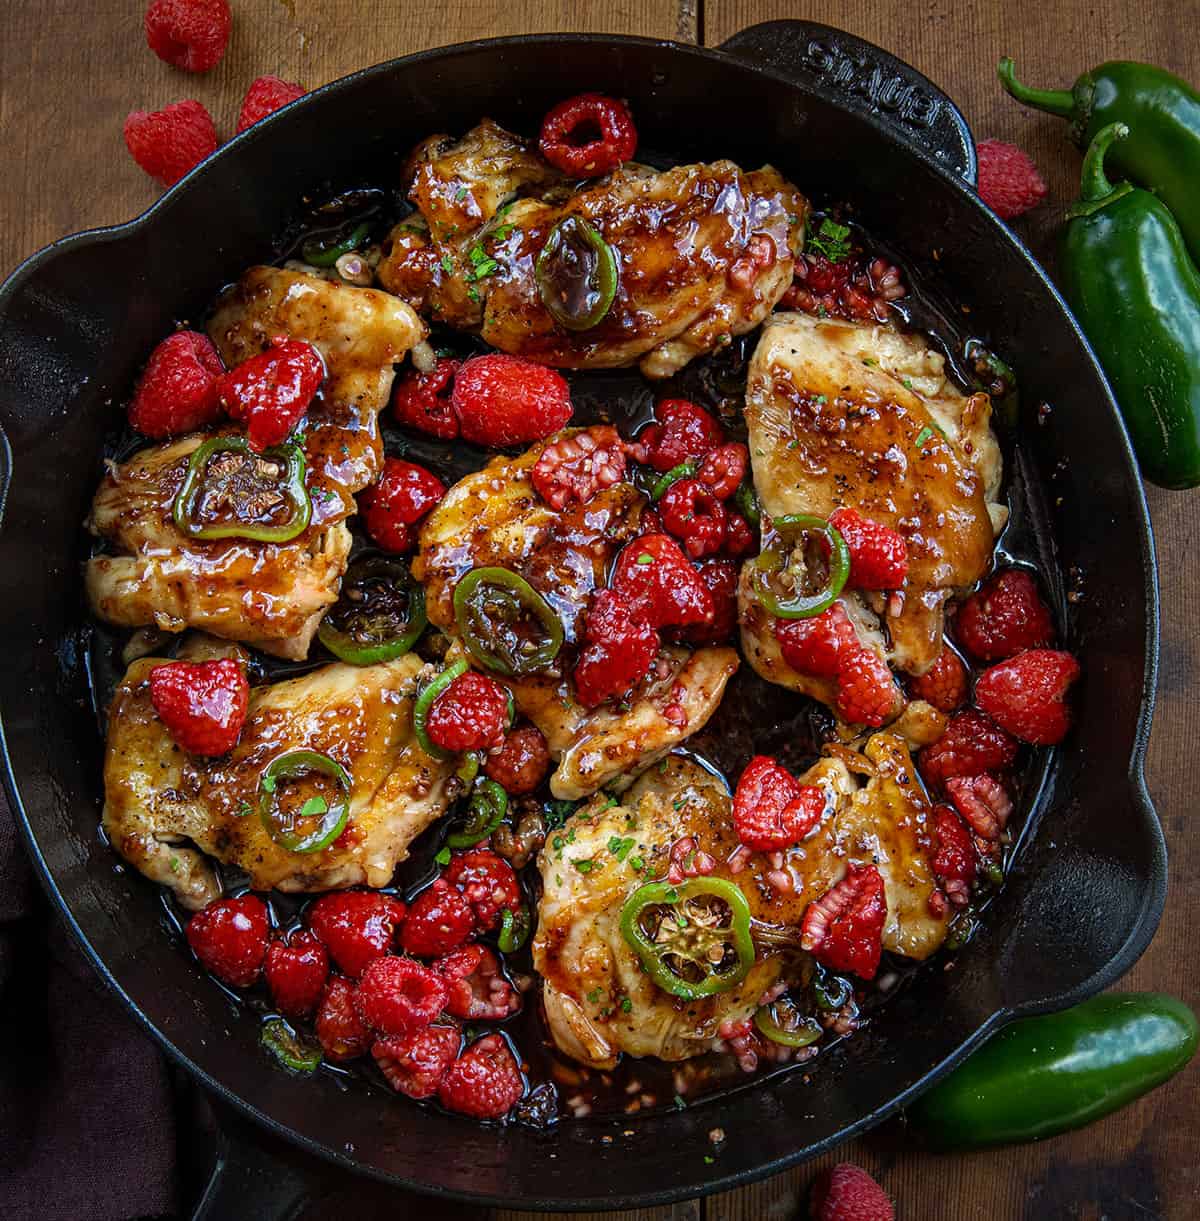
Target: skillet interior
74 325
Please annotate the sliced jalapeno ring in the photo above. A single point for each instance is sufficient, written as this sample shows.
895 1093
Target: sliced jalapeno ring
831 992
468 767
333 815
779 560
687 945
288 1048
425 701
746 499
795 1030
320 252
290 490
685 470
490 607
379 615
576 274
485 812
514 929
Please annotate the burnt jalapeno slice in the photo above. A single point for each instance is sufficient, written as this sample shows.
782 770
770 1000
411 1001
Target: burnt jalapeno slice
505 623
284 826
802 569
325 251
783 1023
379 615
576 274
485 812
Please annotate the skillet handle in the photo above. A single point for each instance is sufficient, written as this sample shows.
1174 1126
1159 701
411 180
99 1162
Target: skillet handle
867 79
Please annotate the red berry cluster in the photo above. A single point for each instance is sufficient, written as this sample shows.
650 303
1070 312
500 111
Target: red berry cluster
855 287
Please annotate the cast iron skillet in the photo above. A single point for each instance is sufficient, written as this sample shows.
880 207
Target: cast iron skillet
835 114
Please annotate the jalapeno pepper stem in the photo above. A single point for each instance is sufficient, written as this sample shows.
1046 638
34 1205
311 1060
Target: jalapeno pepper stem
1095 188
1053 101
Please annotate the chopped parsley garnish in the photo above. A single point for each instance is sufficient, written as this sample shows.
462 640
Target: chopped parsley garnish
924 436
443 857
680 1105
460 194
500 234
645 558
557 813
636 864
472 295
447 264
620 847
831 240
626 1005
584 866
243 810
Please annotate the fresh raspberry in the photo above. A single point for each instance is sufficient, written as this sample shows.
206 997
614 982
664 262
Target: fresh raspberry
521 763
177 392
695 516
971 744
866 694
944 684
202 703
683 431
398 995
488 883
296 970
654 577
955 861
1027 695
1004 617
1009 182
469 715
588 135
739 537
502 400
723 470
421 401
229 936
484 1082
721 578
189 34
620 648
573 469
478 989
878 555
340 1030
439 919
848 1193
357 926
415 1064
982 801
167 143
772 810
266 95
816 646
843 929
391 509
271 391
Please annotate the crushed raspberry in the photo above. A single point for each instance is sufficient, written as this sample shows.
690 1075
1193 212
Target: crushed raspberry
296 970
944 684
487 882
397 996
478 989
189 34
739 536
439 919
588 135
878 554
866 694
393 506
848 1193
971 744
415 1064
772 810
620 647
721 578
340 1031
982 801
422 400
168 143
1027 695
1004 617
695 516
723 470
654 577
955 861
177 392
573 469
202 703
271 391
266 95
484 1082
857 287
815 646
521 763
683 431
356 926
229 937
843 929
1009 182
502 400
469 715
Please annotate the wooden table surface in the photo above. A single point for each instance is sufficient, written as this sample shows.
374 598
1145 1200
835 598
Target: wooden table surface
69 73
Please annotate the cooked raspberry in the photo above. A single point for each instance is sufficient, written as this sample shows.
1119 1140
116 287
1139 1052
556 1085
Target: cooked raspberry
340 1031
469 715
503 400
620 648
1004 617
229 936
588 135
356 926
944 685
521 763
982 801
683 431
265 96
723 470
484 1082
739 536
296 970
857 287
415 1064
202 703
866 694
721 578
843 929
695 516
1009 182
422 400
1027 695
654 577
878 555
772 810
816 646
189 34
848 1193
971 744
399 995
488 883
391 509
167 143
478 989
271 391
438 920
177 392
955 861
573 469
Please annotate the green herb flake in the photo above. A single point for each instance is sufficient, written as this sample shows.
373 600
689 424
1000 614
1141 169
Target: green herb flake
447 264
619 847
500 234
174 863
680 1105
443 857
584 866
594 995
831 240
484 269
645 558
626 1005
636 864
314 806
460 194
907 383
709 1159
243 810
924 436
472 295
